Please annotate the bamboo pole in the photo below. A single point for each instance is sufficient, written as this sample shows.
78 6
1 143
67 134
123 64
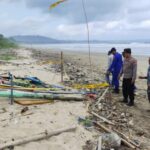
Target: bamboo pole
103 95
36 138
126 138
11 96
102 118
46 96
125 142
99 147
62 67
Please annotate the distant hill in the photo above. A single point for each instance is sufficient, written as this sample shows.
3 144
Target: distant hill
36 39
32 39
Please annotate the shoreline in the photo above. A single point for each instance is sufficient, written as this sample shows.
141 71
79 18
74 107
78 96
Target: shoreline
84 49
98 58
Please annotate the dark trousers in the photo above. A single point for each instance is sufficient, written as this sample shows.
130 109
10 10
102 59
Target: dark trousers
128 90
148 93
115 80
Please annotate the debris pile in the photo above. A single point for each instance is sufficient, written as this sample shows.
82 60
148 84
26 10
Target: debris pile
82 75
107 117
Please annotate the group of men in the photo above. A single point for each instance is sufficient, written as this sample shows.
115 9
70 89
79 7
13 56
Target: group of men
125 66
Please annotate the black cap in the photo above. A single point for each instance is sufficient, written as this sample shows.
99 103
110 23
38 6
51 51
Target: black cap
127 50
113 49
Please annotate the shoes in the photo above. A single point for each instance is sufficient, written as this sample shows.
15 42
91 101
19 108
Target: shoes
125 101
130 104
116 91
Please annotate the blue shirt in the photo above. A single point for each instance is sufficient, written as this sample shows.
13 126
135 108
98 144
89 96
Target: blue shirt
117 63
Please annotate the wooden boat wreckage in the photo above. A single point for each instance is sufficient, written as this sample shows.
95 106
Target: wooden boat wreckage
32 88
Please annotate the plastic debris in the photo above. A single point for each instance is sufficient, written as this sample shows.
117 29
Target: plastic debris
111 140
85 122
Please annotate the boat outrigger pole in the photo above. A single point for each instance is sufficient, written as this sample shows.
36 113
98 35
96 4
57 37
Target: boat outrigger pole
11 96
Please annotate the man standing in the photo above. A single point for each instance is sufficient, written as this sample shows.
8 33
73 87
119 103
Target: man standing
115 69
129 72
148 80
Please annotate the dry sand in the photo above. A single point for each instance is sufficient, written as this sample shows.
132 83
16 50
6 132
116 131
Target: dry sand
49 117
59 114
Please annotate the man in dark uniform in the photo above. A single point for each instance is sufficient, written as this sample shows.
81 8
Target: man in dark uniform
148 80
129 72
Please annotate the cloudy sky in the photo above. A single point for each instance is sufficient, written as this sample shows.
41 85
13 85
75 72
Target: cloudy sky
108 19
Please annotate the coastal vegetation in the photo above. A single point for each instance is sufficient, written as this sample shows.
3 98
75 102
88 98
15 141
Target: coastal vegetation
6 43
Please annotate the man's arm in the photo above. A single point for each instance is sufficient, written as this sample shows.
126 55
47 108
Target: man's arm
134 71
121 73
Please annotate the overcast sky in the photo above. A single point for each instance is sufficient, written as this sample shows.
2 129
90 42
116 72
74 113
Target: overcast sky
108 19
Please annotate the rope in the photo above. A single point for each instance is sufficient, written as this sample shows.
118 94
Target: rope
88 35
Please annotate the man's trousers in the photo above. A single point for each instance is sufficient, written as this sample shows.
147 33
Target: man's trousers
128 90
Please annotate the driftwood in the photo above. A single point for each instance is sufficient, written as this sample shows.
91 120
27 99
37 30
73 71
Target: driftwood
126 138
103 95
125 142
38 137
102 118
26 102
99 147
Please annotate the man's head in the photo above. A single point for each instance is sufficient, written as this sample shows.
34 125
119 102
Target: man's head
127 52
113 50
149 60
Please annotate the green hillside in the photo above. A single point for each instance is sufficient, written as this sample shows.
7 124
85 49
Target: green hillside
6 43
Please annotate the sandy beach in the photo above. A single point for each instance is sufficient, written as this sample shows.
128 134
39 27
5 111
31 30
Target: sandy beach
60 114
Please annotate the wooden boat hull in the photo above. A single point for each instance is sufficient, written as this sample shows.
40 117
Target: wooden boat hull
47 96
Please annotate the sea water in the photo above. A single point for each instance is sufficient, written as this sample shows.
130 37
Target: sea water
140 49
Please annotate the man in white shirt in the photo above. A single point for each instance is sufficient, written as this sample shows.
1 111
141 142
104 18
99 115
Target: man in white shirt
110 60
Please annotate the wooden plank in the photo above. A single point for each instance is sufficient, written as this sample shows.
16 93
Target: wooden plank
32 102
102 97
38 137
126 138
102 118
99 147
